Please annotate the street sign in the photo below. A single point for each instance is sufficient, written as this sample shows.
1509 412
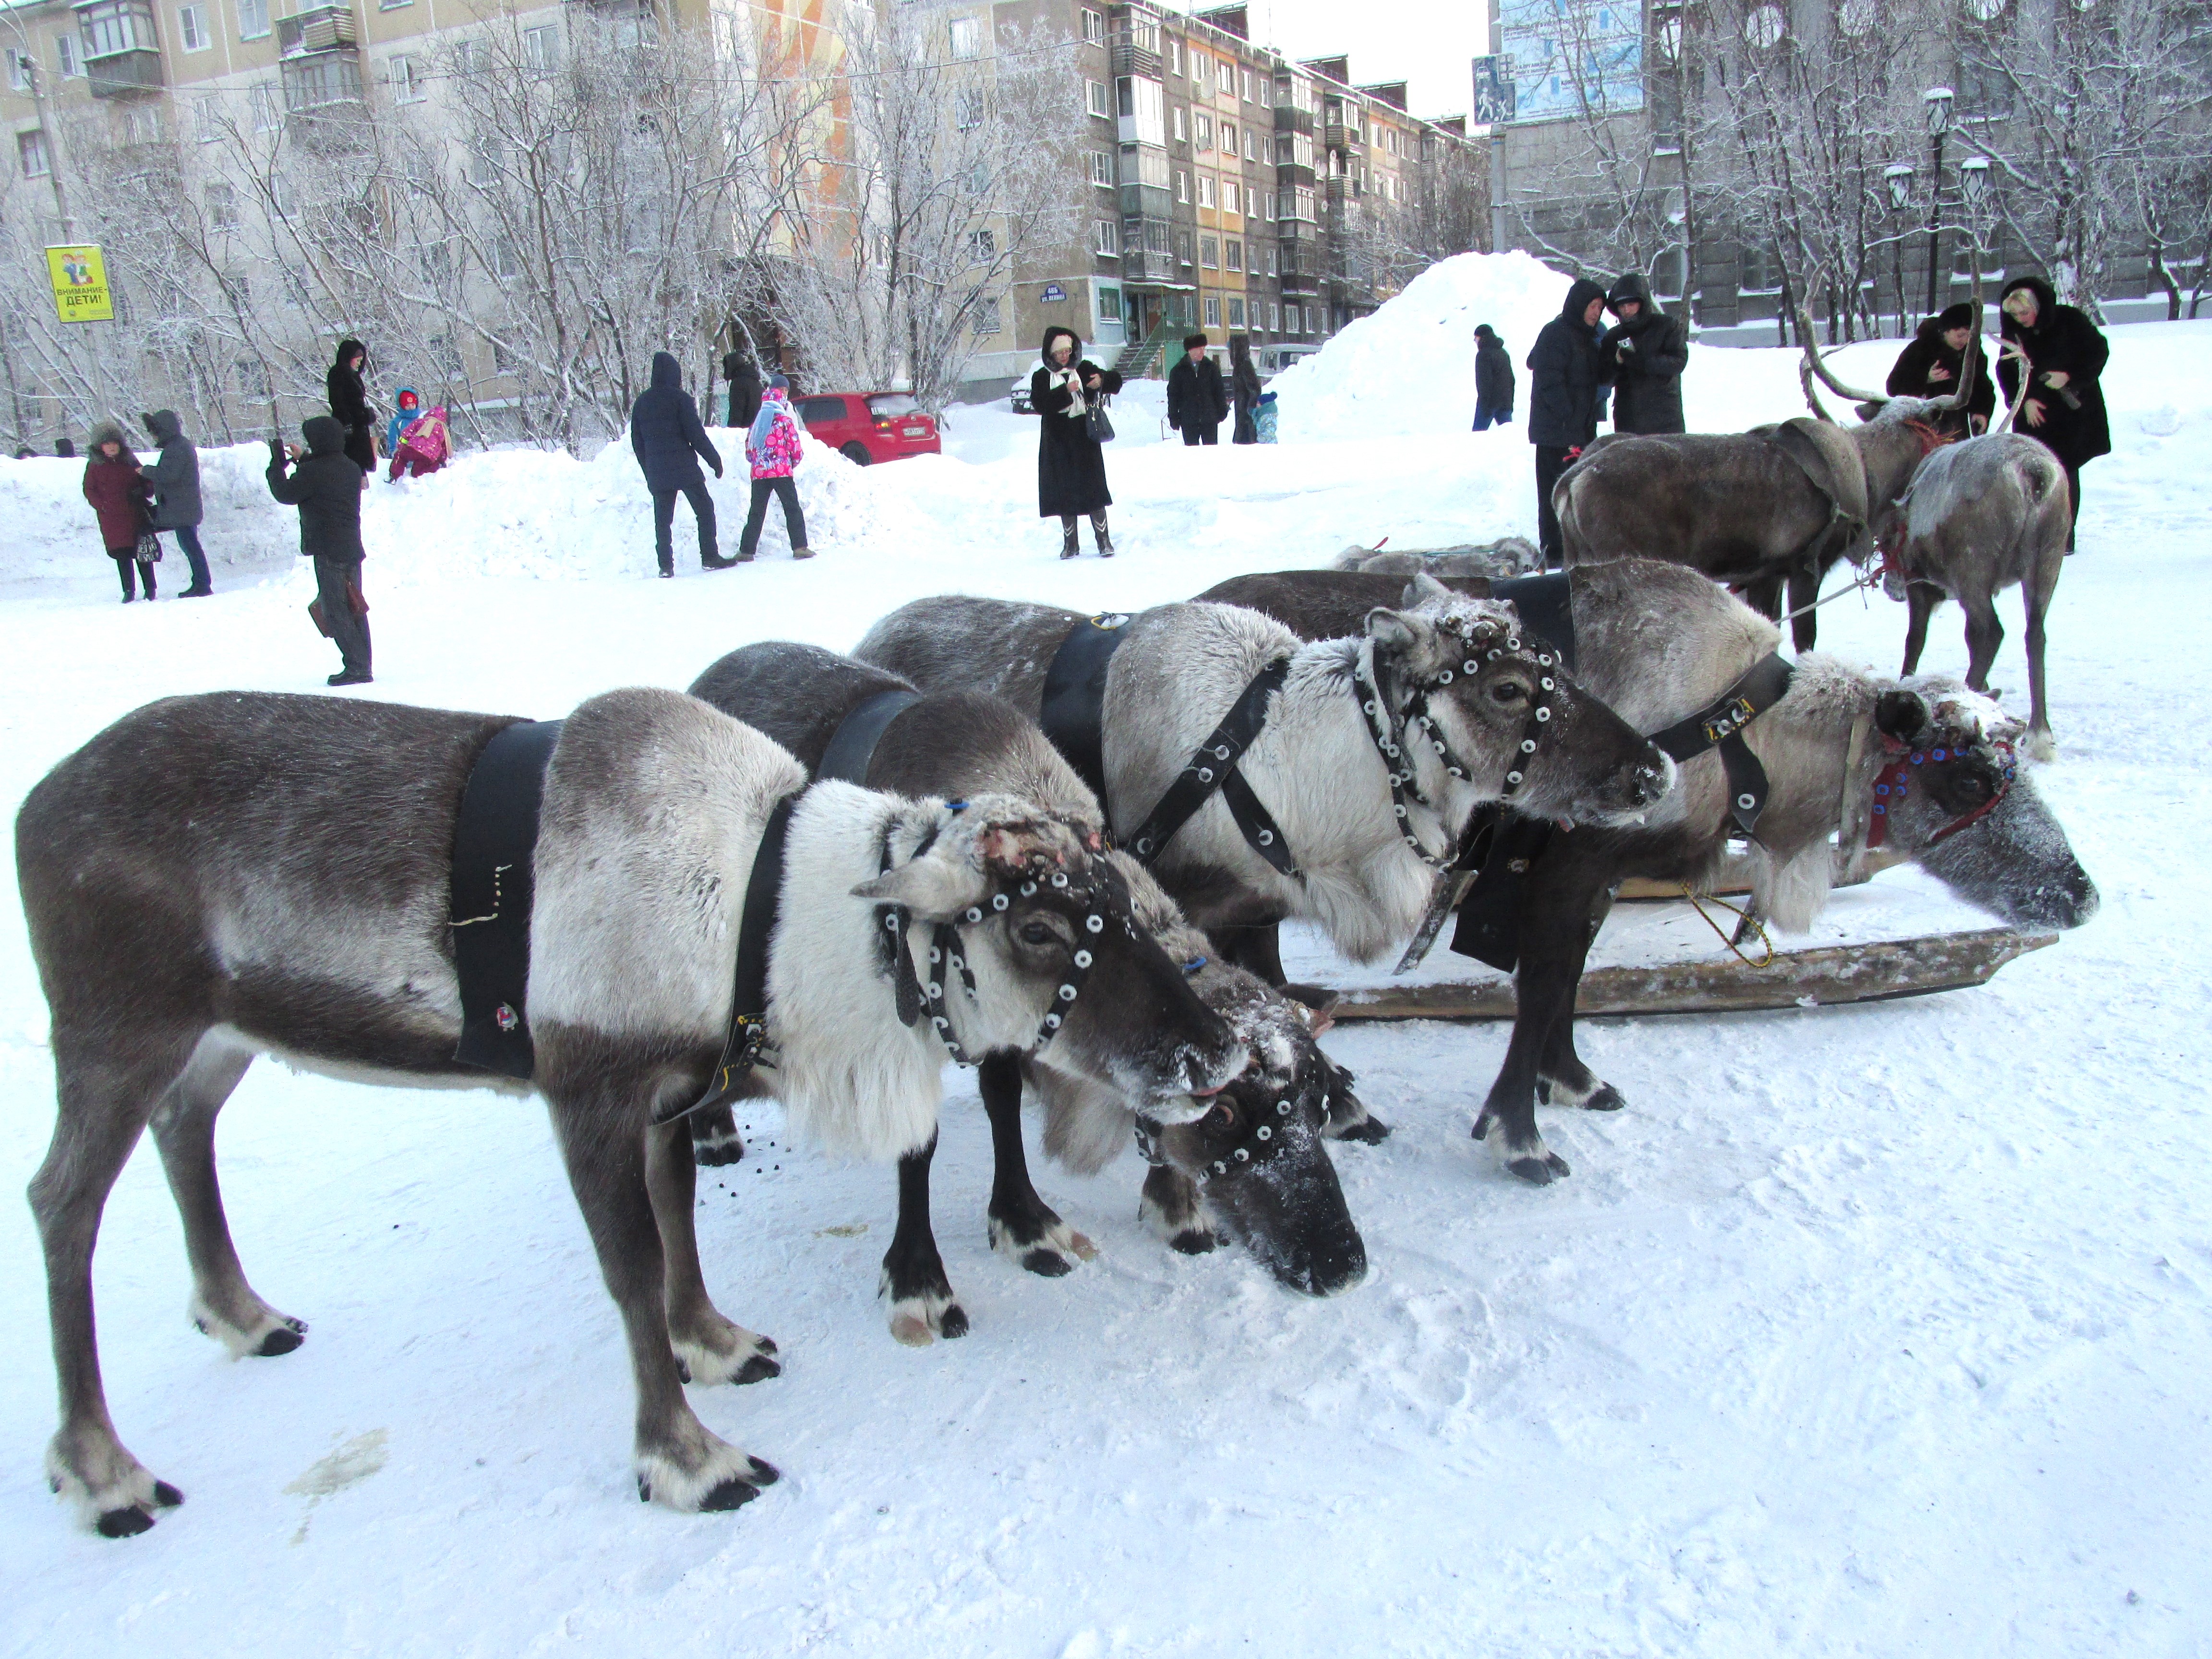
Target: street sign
79 276
1493 89
1054 291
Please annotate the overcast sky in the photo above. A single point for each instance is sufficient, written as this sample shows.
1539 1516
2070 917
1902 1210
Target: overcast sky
1427 43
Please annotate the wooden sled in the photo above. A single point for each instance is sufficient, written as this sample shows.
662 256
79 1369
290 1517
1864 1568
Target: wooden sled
1876 972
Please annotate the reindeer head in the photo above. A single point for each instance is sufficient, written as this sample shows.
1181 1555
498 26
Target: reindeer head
1955 796
1503 720
1031 942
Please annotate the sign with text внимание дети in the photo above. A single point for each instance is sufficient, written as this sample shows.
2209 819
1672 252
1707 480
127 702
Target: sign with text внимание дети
1572 56
79 276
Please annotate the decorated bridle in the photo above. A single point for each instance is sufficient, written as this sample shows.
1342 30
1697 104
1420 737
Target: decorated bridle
1262 1141
1892 785
1485 642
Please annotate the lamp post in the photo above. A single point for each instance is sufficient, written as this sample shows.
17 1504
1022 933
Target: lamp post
1937 103
1899 177
1974 186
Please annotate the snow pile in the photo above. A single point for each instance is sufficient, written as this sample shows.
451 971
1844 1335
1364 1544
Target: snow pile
1409 369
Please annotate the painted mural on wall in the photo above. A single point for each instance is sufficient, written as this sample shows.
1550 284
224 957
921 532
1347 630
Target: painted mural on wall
1567 55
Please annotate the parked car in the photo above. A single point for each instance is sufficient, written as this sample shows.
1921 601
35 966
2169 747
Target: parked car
1274 359
868 427
1020 397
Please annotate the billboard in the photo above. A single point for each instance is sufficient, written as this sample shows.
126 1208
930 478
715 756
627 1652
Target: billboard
79 276
1571 56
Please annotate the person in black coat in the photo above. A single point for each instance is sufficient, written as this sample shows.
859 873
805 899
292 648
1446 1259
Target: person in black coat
1071 464
1645 353
347 388
1566 397
175 478
669 442
1197 401
1243 388
2065 353
326 487
1493 379
744 388
1944 350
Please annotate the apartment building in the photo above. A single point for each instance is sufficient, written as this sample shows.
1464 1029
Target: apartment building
1228 189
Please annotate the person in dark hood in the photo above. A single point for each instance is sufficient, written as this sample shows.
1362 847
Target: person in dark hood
347 387
1946 350
1243 388
2065 357
64 449
669 442
118 492
1567 379
1493 379
1071 464
176 481
745 381
326 487
1645 353
1197 401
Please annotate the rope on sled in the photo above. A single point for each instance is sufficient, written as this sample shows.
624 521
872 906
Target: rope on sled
1742 916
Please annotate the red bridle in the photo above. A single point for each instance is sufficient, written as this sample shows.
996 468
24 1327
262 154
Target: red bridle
1890 787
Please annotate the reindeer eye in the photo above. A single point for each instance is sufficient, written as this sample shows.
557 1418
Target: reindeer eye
1222 1117
1508 691
1036 932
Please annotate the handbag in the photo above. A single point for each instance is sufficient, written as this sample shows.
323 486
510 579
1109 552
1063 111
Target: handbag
149 547
1096 423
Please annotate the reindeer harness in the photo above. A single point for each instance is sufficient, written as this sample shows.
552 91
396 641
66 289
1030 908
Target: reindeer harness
1893 784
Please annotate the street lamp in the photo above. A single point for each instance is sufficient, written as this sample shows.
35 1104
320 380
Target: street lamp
1938 110
1899 176
1974 186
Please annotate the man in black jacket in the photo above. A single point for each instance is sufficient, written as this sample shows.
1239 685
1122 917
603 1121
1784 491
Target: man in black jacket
666 436
1945 349
1197 401
326 488
1493 379
1566 395
1645 353
744 388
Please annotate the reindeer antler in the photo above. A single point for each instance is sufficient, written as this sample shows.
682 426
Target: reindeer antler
1815 365
2011 349
1812 398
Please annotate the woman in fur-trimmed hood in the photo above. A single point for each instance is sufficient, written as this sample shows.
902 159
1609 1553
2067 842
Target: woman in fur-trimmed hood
2066 354
1071 464
122 500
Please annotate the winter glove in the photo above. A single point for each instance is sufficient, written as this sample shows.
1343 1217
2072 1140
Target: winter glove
718 469
276 452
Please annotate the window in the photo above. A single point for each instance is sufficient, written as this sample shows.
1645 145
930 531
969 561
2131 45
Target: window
968 108
1140 102
444 356
1274 311
1102 169
1106 238
1229 137
1109 304
1267 203
503 359
392 5
505 261
142 125
966 37
1205 126
1236 312
1094 26
1251 146
406 82
1214 311
982 247
541 47
436 260
820 411
1230 196
1205 190
1271 258
1236 252
221 206
191 29
1094 94
207 120
472 57
1182 247
253 377
262 99
31 150
20 70
252 19
1209 252
1182 185
986 317
1181 130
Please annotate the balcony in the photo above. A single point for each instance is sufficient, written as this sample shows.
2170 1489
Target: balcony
317 30
1143 265
1337 136
1339 189
1133 57
1294 173
122 53
1290 118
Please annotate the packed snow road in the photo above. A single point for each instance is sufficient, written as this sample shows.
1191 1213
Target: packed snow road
1880 1329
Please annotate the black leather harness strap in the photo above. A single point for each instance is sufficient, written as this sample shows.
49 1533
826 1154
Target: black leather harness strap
1214 766
1073 710
494 842
852 745
748 1033
1720 726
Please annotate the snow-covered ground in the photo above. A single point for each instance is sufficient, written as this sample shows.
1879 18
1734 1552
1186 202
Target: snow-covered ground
1872 1330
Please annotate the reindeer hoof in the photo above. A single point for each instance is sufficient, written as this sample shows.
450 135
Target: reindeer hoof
285 1338
764 1474
719 1153
167 1495
730 1495
920 1320
1604 1098
2041 747
1369 1131
1194 1240
1048 1264
1539 1171
126 1522
758 1368
954 1323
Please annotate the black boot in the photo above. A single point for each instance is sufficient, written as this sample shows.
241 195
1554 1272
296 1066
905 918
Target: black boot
1068 538
1098 534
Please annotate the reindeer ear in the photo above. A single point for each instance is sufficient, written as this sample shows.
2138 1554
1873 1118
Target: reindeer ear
1902 715
1388 626
935 887
1423 589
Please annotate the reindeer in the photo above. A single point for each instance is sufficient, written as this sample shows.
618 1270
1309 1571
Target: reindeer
1778 505
1659 643
1281 1197
1366 811
1979 516
215 877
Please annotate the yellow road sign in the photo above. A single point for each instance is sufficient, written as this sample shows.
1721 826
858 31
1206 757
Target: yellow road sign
79 280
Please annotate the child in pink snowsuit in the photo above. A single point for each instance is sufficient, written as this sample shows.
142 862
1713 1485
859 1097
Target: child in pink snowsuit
772 446
422 449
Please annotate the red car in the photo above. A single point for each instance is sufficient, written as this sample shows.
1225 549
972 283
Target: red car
868 427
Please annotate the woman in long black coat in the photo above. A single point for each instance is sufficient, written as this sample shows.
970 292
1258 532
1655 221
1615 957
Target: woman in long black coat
2065 405
1946 348
348 396
1071 466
